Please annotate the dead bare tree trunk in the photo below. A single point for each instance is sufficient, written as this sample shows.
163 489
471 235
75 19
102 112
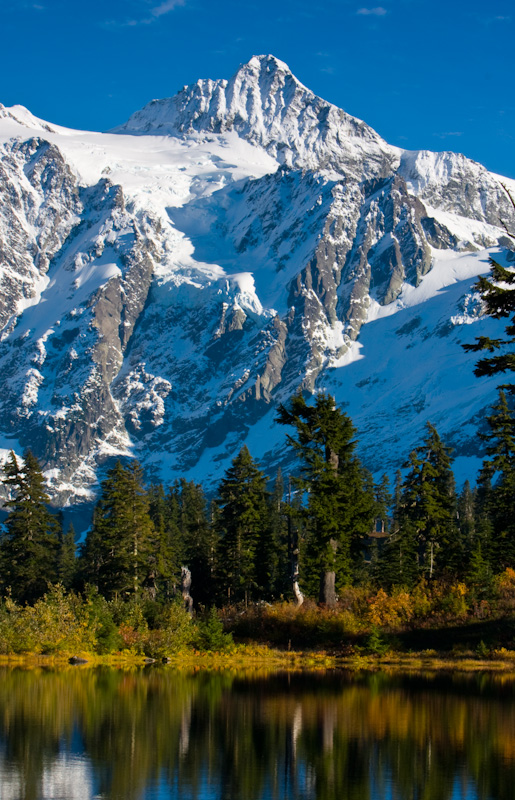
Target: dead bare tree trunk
185 589
299 597
293 546
327 593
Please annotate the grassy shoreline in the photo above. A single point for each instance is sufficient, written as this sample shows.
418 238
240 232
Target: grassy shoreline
262 657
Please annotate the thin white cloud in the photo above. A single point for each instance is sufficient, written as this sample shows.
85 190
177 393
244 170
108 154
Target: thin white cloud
155 14
378 11
166 7
448 133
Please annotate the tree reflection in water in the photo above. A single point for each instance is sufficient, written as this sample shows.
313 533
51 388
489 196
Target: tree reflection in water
159 733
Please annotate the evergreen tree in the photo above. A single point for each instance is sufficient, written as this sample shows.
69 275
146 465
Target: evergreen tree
244 528
161 572
67 563
398 561
428 509
479 574
280 542
501 466
383 500
175 528
340 510
117 551
29 544
483 506
498 295
466 516
199 542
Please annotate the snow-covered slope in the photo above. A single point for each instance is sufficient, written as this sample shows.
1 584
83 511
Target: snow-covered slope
164 285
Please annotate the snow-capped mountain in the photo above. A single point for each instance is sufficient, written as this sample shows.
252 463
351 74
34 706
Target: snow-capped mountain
164 285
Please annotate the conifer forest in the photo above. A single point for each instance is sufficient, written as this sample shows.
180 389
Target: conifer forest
328 540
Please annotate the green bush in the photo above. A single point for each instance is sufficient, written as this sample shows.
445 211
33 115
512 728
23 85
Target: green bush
53 624
97 612
176 633
376 644
210 634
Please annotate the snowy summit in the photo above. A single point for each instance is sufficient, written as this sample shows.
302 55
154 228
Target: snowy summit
167 283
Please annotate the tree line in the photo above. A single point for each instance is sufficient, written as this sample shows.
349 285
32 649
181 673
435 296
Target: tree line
331 526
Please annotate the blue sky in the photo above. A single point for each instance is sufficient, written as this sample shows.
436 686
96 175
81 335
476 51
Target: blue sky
423 73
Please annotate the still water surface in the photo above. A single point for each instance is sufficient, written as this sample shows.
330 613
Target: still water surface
158 733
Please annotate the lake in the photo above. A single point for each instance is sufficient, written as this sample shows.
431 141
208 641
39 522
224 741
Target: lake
160 733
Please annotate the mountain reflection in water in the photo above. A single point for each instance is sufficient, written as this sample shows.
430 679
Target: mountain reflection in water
160 733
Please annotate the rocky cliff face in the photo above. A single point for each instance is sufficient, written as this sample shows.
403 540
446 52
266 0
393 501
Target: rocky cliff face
161 295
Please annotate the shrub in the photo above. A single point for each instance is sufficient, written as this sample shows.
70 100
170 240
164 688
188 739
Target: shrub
505 589
482 651
376 644
452 600
390 611
97 612
177 632
210 634
59 628
52 625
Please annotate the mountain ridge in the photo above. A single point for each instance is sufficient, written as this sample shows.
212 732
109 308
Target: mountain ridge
163 291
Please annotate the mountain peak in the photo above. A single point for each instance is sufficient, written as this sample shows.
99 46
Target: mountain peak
269 61
265 104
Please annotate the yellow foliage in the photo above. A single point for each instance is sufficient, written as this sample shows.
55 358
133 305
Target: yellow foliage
451 600
50 626
421 599
390 611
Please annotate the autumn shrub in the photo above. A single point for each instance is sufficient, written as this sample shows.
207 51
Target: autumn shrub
390 611
18 631
131 639
286 624
176 633
450 600
52 625
351 624
421 600
505 590
503 654
58 622
129 612
355 600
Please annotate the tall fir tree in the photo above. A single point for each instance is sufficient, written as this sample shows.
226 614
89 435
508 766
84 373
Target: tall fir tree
340 510
199 542
500 465
175 527
244 528
67 562
398 561
498 294
29 544
483 504
162 570
428 509
117 552
280 584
